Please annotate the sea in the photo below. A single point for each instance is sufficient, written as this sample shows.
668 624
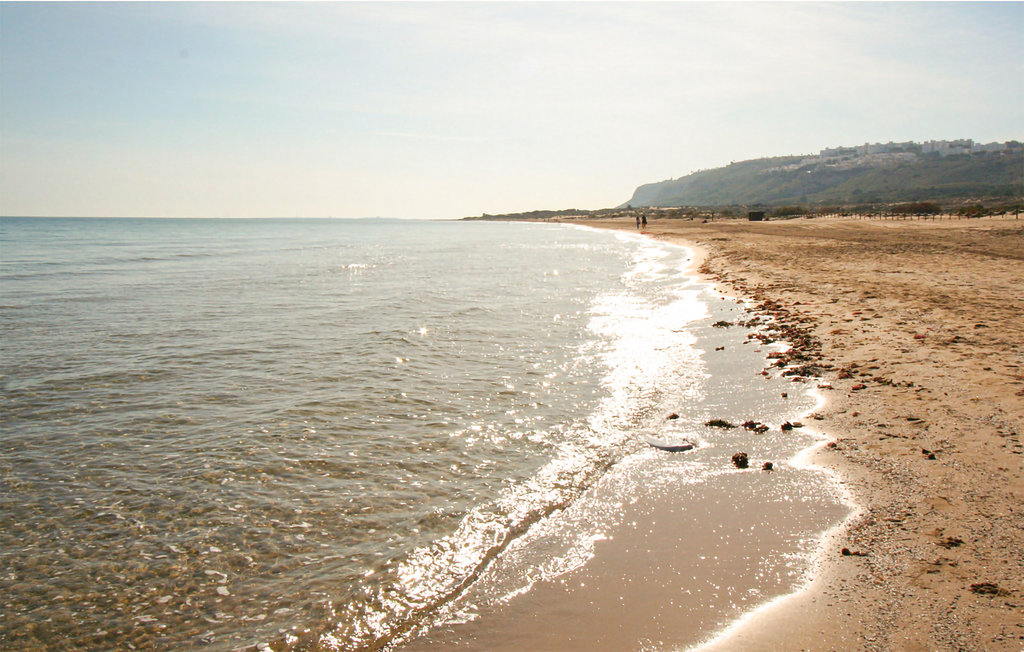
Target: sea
323 433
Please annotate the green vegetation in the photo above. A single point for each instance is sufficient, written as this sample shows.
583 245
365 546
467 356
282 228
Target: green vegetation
530 215
917 208
972 210
910 184
786 181
789 211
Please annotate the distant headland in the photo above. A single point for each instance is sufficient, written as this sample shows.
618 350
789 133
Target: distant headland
941 175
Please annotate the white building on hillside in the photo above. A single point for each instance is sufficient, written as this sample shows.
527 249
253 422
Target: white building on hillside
990 147
947 147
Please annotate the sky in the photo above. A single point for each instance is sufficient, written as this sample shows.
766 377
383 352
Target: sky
447 110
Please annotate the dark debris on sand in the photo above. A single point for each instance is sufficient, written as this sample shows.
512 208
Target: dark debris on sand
803 359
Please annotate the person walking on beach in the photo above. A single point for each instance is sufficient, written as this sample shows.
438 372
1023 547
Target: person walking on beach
637 222
643 221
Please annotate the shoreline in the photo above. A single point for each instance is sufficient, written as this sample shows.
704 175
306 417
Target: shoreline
920 325
694 542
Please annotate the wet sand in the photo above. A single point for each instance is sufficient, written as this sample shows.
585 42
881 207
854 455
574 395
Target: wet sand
921 326
681 544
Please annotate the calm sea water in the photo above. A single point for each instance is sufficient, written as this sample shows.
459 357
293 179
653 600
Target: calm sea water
225 433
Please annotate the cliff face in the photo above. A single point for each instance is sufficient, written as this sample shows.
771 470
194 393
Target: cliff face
851 179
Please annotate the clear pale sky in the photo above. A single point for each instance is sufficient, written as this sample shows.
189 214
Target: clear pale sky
452 110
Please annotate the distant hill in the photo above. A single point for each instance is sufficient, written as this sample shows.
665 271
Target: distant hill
846 176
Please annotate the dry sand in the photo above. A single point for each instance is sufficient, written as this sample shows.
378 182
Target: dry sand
922 326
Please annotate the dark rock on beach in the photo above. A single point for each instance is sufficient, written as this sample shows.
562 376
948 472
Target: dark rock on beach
719 423
988 588
755 426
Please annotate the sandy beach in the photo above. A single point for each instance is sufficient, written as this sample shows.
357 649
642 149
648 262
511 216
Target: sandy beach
920 328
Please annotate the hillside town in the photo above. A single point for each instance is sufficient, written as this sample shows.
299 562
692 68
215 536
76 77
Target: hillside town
884 154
